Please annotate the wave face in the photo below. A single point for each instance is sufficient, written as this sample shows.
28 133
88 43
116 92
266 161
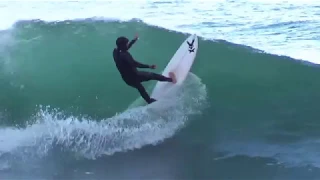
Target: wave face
60 93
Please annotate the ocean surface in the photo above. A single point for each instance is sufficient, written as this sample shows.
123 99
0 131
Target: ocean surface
248 110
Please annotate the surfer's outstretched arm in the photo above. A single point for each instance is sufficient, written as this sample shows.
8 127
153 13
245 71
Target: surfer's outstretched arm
134 63
131 43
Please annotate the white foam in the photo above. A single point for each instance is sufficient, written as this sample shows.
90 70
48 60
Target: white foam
129 130
66 10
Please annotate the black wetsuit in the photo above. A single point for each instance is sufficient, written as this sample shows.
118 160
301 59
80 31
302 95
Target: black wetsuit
127 67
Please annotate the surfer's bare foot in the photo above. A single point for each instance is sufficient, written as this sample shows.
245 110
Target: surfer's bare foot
173 77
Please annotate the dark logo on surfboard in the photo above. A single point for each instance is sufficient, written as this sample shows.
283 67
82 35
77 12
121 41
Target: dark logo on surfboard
191 48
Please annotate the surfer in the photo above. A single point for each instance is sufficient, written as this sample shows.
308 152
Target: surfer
127 68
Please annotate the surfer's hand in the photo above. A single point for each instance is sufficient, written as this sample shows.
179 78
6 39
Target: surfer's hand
136 37
153 66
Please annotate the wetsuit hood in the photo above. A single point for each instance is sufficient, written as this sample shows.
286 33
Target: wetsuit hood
122 43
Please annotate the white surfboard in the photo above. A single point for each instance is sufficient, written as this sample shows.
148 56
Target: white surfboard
180 64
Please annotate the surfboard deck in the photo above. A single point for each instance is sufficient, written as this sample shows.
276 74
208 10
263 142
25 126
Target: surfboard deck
180 64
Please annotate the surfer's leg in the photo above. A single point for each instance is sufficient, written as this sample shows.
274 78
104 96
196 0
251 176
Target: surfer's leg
147 76
144 93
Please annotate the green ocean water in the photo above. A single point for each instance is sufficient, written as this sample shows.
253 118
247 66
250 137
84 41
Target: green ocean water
246 101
